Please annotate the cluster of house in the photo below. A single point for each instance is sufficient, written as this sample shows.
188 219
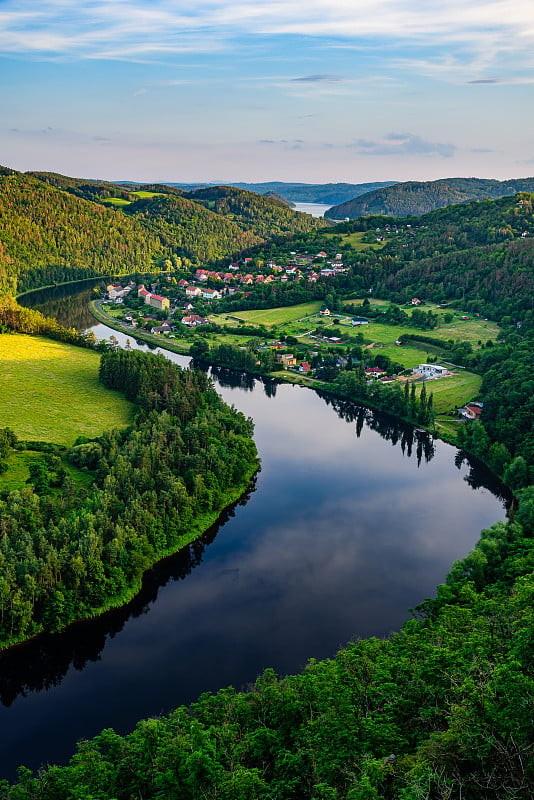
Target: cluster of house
116 292
154 300
234 279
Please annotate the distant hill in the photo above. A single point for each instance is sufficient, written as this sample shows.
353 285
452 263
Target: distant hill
276 196
83 187
413 197
324 193
264 215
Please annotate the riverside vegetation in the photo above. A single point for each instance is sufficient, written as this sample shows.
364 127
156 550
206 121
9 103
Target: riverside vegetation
443 709
156 485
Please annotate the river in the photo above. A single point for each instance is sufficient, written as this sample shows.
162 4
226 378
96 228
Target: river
352 520
315 209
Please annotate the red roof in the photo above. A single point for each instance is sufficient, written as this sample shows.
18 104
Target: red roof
476 411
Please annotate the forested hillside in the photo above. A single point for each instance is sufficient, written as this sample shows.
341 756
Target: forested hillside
481 253
48 235
417 198
264 215
188 229
54 228
82 187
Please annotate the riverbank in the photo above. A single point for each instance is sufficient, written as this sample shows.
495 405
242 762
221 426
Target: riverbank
65 283
282 376
135 333
68 604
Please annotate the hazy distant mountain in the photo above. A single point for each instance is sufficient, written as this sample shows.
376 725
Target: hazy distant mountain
413 197
324 193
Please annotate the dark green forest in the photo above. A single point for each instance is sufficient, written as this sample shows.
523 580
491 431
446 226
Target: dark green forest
68 554
420 197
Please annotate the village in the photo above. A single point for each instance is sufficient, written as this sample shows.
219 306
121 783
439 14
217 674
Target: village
309 343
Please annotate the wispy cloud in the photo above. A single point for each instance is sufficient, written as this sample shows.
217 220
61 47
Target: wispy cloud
485 80
395 144
479 31
318 79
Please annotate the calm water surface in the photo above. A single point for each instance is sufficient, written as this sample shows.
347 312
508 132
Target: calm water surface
315 209
353 520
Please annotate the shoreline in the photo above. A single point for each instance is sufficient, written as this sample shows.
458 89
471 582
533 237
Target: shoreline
291 378
197 529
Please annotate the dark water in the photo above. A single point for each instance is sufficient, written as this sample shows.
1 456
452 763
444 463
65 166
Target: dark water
353 520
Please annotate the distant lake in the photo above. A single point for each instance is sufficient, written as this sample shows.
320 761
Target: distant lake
353 519
315 209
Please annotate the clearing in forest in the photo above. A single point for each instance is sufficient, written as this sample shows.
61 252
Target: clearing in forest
49 391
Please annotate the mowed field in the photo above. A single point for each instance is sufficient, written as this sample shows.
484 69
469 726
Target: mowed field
49 391
355 240
269 316
453 391
472 330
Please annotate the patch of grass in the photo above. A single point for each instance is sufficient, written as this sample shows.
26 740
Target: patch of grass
355 240
49 391
470 330
449 393
406 355
276 316
19 471
116 201
143 195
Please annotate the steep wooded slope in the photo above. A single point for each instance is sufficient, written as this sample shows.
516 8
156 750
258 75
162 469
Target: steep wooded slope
416 197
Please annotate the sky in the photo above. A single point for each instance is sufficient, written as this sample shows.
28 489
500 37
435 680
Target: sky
314 91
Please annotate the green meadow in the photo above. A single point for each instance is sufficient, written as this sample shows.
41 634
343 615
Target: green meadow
49 391
269 316
355 240
120 201
454 391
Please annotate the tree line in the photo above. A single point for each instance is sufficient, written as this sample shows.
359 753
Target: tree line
66 554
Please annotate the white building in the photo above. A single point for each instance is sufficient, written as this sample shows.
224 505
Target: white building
430 371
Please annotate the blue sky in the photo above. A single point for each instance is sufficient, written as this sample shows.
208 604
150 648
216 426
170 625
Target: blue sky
296 90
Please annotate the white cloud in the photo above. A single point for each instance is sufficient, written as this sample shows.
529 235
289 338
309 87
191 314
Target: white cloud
395 144
482 32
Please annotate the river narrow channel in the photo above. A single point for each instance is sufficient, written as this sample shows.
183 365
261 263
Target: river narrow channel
352 520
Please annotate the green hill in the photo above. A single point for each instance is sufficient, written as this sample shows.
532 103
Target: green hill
54 228
413 197
266 216
189 229
48 235
83 187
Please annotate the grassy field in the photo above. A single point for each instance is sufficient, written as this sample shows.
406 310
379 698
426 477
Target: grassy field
355 240
470 330
453 392
50 391
116 201
143 195
270 316
19 471
120 201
